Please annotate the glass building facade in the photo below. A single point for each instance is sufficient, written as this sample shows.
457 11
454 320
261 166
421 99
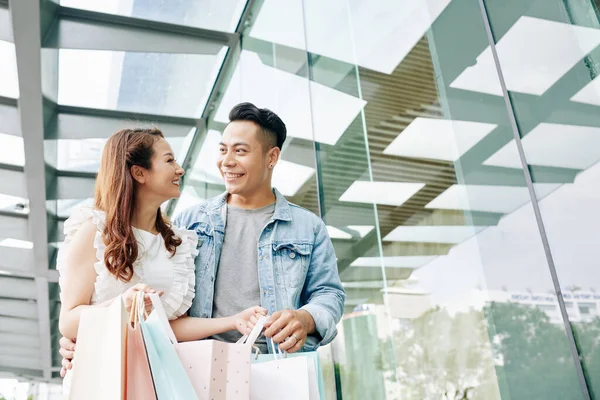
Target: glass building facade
452 147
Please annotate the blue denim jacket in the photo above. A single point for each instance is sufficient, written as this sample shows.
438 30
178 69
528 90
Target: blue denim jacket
297 265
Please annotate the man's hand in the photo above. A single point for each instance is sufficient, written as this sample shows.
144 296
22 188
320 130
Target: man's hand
289 329
67 351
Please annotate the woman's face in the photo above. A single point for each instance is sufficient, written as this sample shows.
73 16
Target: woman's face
164 178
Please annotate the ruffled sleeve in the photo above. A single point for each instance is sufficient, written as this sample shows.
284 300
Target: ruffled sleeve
178 300
72 225
106 285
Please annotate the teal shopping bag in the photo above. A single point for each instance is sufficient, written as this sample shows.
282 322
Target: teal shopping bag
170 378
315 381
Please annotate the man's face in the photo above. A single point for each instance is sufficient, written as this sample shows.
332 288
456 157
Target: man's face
243 161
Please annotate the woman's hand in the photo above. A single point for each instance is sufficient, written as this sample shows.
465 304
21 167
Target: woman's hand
242 321
132 291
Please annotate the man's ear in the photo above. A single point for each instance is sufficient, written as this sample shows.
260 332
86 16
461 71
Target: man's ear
273 156
138 173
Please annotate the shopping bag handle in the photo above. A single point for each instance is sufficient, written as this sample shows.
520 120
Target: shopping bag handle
162 316
276 351
251 338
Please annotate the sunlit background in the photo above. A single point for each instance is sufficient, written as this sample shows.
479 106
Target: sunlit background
451 147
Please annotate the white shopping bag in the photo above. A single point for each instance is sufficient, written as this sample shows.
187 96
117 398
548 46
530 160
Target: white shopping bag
99 364
284 378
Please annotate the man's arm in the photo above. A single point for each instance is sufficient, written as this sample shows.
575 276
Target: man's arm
323 302
323 295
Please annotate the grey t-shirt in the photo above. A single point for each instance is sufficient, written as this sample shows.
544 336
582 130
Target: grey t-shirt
236 283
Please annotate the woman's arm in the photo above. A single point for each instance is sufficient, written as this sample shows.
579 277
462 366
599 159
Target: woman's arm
191 328
77 279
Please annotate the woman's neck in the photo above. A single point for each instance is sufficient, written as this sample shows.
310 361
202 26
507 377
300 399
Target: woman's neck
144 217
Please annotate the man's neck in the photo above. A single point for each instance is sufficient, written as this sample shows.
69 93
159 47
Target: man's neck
252 201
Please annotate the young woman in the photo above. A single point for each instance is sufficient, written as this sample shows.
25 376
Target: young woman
124 244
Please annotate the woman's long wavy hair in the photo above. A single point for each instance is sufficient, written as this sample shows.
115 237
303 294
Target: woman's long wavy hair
116 195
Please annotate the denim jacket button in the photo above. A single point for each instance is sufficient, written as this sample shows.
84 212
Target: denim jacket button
292 255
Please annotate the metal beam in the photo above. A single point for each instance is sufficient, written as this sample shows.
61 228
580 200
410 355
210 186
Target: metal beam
12 182
19 351
18 325
19 309
87 123
5 25
17 288
89 30
220 86
17 261
27 32
14 225
20 362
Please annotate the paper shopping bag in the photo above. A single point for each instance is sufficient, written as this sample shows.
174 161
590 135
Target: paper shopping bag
99 362
281 378
138 378
316 386
170 378
217 370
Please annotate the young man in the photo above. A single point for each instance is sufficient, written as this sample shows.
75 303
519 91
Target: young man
257 248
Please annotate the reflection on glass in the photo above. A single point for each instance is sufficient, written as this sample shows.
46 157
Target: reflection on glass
438 139
534 54
488 198
390 193
221 15
323 117
154 83
376 27
9 84
437 297
553 145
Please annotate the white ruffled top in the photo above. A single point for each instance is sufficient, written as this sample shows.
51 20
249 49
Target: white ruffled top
154 265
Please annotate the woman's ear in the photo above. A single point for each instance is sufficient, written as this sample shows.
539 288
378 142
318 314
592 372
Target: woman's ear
138 173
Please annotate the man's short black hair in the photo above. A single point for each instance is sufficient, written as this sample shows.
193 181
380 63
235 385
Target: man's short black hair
272 126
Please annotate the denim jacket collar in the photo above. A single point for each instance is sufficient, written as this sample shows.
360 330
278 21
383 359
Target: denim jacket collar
282 211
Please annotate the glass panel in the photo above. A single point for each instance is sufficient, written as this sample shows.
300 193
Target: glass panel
11 150
154 83
9 84
450 296
66 206
549 56
84 155
220 15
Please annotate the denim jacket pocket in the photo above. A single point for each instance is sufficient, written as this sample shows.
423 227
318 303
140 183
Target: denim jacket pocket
205 246
292 260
